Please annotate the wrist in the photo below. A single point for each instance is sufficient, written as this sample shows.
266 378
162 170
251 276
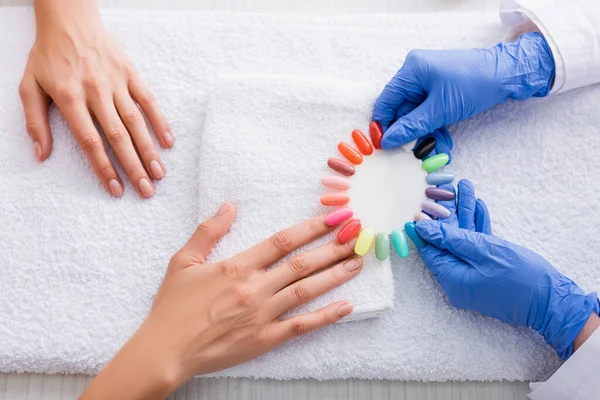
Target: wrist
140 370
589 328
59 14
533 72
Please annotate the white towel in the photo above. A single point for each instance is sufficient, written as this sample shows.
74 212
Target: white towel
78 268
265 146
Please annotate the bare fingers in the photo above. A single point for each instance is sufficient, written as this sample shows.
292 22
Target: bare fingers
308 288
35 103
282 331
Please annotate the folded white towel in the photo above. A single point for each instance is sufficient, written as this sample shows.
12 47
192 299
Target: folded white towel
78 269
265 147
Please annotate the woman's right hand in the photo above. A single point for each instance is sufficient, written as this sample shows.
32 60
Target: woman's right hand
207 317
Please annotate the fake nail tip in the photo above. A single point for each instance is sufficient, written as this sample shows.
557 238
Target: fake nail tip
364 242
336 182
439 178
421 216
382 246
435 209
335 199
424 148
362 142
376 134
411 232
400 243
338 216
341 166
436 162
349 231
350 153
435 193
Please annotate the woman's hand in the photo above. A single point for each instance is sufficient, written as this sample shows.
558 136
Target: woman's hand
207 317
75 63
500 279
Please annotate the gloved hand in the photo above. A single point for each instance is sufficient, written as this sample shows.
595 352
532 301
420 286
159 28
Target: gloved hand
436 88
500 279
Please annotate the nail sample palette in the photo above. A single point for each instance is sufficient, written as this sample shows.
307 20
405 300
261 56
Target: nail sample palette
385 191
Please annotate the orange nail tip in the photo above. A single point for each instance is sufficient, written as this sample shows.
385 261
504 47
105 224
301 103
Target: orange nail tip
335 199
362 142
350 153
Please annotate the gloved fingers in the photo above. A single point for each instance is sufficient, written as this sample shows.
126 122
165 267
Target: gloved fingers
483 223
387 104
449 204
443 265
443 142
416 124
472 247
466 205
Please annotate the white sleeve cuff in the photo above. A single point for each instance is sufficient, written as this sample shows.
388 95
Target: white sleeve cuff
577 379
570 34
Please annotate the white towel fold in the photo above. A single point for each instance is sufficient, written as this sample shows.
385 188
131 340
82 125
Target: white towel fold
265 146
78 269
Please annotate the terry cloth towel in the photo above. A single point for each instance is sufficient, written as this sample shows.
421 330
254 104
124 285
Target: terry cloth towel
265 147
78 269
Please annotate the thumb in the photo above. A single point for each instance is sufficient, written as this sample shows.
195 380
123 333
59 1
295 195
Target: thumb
35 104
205 237
418 123
470 246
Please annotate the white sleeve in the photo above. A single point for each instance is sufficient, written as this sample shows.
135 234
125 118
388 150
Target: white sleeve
572 30
577 379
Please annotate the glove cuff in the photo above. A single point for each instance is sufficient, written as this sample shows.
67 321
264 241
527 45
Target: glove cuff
568 319
533 71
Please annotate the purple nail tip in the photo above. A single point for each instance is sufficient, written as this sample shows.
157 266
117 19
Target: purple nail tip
435 193
435 209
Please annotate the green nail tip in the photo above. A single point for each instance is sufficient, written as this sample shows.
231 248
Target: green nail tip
435 162
382 246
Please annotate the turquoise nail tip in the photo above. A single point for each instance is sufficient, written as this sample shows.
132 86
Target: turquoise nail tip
400 243
411 232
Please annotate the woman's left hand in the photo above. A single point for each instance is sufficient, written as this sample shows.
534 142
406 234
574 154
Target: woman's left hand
207 317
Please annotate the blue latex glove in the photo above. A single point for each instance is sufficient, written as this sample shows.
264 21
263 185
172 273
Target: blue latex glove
500 279
436 88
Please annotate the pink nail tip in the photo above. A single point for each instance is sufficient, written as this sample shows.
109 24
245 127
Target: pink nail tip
338 216
421 216
336 182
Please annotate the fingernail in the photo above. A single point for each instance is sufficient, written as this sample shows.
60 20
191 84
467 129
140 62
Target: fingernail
157 169
338 216
115 188
353 264
345 309
146 187
37 149
169 139
224 208
435 209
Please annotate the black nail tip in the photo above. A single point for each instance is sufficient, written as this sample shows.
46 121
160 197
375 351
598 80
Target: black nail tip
424 148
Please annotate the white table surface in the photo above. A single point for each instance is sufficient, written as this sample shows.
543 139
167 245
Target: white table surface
36 386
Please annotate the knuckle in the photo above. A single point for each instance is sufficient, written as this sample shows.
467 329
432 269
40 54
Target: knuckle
90 142
300 292
185 259
107 171
68 93
315 226
146 99
282 241
23 90
148 151
93 85
299 264
298 328
136 170
32 127
244 295
116 133
132 116
231 269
